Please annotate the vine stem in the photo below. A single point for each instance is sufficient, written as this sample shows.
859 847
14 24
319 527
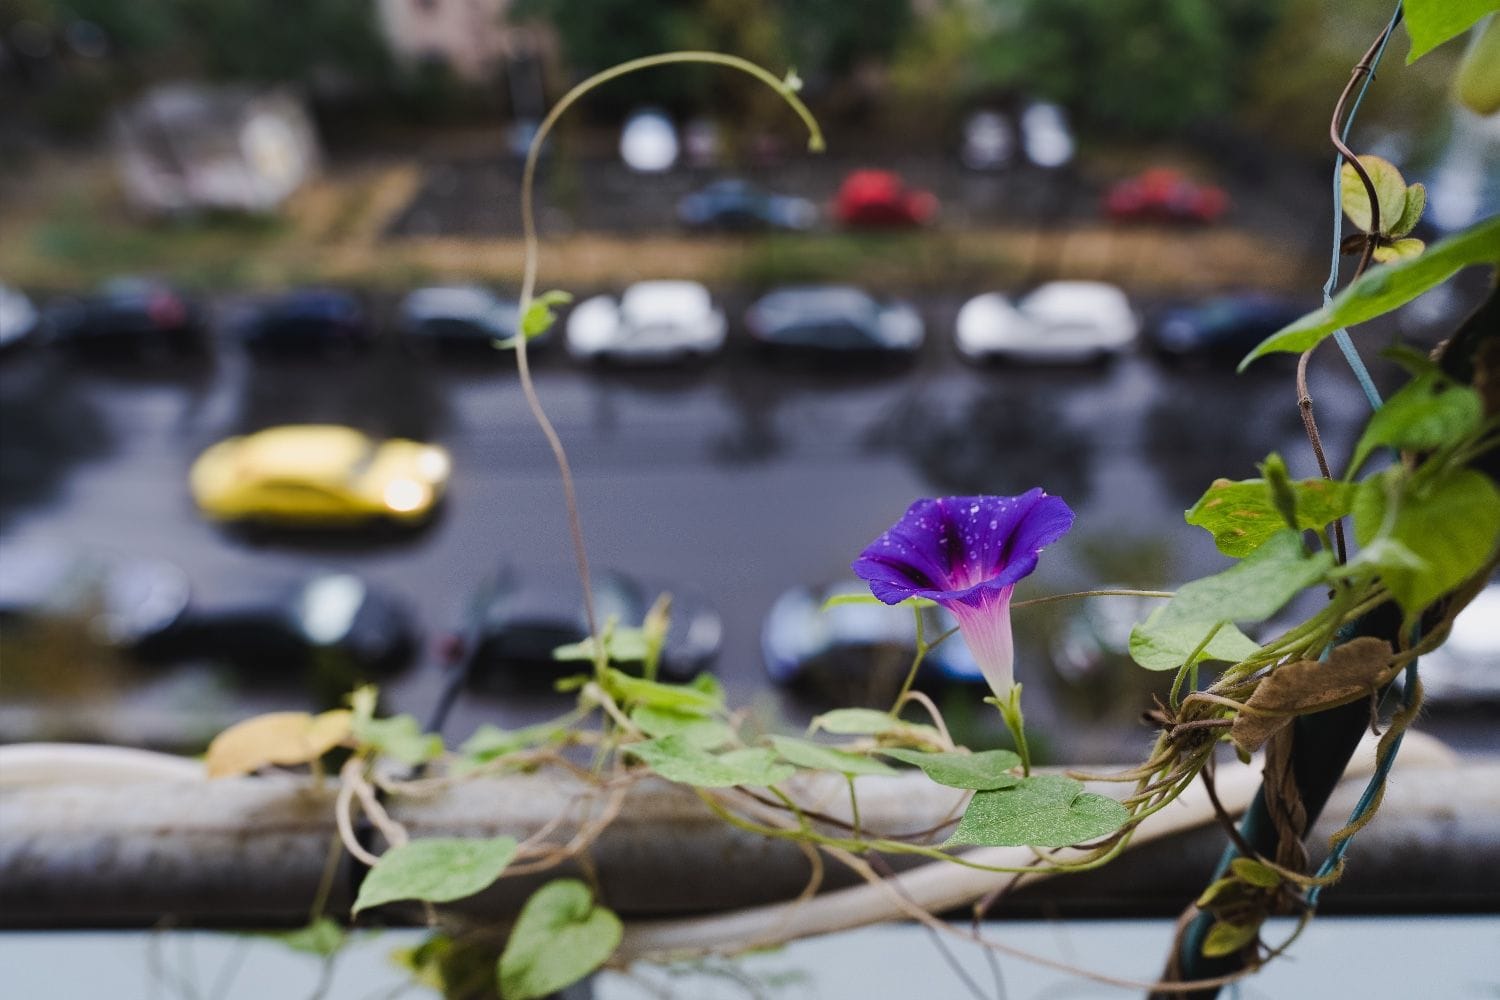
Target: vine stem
786 88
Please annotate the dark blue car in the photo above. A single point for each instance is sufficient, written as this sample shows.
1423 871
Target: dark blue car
1224 328
739 206
310 320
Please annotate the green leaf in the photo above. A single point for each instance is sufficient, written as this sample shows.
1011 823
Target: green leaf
490 742
818 757
1430 411
1253 590
1433 22
690 698
1477 83
984 771
1400 250
1416 201
855 722
871 722
323 937
400 737
1156 646
1387 287
561 936
1451 524
1225 938
695 730
1390 192
1255 873
1046 810
540 315
435 869
676 759
1243 515
621 645
1223 891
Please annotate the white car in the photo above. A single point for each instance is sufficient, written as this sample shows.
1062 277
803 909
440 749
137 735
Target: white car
18 317
1062 321
653 322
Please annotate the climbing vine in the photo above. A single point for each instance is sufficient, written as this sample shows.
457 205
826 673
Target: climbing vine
1398 542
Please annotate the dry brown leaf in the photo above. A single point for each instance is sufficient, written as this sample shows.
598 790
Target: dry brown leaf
277 738
1352 671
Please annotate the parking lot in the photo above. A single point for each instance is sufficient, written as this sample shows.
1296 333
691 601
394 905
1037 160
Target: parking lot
734 479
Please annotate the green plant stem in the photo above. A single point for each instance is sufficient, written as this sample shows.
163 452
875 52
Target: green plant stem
528 281
1010 711
1054 598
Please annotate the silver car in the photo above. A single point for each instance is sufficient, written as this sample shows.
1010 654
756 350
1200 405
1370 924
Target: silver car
653 322
1060 322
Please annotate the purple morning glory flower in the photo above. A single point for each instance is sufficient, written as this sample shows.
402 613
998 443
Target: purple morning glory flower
967 553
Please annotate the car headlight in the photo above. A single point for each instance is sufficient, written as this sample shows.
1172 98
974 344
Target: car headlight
406 495
434 464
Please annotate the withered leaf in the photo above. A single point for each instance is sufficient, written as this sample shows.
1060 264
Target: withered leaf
277 738
1351 671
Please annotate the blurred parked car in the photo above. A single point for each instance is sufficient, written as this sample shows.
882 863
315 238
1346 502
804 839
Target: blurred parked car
1062 321
515 620
119 599
739 206
988 142
653 322
19 319
1162 194
881 199
1465 670
857 654
279 628
310 320
129 315
457 319
834 319
1225 328
319 474
648 141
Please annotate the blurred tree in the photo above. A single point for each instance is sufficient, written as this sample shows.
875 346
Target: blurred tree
597 34
325 45
1138 65
832 38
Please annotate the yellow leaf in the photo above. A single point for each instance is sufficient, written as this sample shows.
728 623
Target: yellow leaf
277 738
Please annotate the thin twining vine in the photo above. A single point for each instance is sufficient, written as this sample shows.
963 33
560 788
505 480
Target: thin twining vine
1428 534
786 87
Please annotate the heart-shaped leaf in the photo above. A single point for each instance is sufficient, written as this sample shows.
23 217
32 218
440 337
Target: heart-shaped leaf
1390 192
696 730
1046 810
676 759
400 737
435 869
1428 412
1451 524
822 758
1243 515
983 771
561 936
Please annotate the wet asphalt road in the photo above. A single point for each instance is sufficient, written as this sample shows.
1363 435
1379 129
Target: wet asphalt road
737 480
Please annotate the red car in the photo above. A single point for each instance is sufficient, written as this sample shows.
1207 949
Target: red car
874 198
1162 194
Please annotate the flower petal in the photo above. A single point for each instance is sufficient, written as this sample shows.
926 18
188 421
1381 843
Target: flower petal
960 549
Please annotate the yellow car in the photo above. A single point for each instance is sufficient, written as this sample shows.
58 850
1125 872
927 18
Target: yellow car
319 474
